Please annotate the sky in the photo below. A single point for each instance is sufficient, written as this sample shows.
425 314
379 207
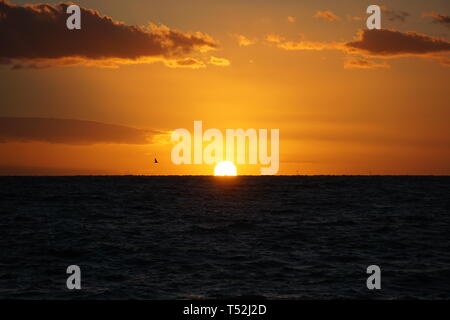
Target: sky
104 99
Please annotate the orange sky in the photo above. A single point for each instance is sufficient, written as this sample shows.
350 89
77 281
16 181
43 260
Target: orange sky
340 110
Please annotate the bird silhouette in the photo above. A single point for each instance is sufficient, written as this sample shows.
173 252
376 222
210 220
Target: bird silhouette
156 161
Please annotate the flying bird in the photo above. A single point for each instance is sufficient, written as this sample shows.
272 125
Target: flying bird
156 161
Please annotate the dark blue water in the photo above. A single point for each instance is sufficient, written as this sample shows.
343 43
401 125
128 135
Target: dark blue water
206 237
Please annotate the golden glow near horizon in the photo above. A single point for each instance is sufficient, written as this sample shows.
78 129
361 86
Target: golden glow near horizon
225 168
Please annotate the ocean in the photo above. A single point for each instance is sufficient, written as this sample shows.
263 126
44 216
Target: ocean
292 237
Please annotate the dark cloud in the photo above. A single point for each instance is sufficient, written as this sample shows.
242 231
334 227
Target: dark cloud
438 18
68 131
38 32
388 43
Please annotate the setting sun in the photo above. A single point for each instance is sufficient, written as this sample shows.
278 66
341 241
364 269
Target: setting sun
225 168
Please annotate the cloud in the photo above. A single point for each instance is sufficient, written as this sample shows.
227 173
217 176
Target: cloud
221 62
37 34
243 41
307 45
69 131
380 43
395 15
358 63
326 15
383 43
274 38
444 61
190 63
438 18
390 43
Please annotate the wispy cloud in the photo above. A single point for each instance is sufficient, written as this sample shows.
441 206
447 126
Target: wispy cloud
274 38
221 62
395 15
308 45
358 63
326 15
191 63
244 41
438 18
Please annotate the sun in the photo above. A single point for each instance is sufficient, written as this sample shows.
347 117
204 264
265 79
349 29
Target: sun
225 168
